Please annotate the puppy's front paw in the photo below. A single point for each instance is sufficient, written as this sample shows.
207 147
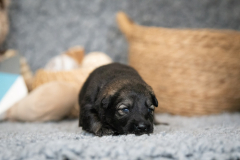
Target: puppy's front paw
104 132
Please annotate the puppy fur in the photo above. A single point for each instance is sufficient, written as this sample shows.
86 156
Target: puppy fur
115 100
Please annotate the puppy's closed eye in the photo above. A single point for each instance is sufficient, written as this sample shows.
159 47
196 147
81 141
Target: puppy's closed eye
151 109
123 110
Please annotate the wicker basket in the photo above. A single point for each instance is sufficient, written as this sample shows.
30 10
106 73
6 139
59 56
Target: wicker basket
193 72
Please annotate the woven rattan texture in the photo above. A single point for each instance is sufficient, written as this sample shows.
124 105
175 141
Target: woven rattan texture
193 72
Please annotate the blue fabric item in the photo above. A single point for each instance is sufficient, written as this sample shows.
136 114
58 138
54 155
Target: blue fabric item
6 81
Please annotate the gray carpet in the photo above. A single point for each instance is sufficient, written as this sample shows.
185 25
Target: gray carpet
41 29
214 137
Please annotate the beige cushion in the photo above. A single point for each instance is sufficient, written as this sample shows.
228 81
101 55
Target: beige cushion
50 101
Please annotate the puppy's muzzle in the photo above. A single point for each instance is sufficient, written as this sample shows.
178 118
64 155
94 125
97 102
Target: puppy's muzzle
141 128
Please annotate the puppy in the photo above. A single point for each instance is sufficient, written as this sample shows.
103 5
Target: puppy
115 100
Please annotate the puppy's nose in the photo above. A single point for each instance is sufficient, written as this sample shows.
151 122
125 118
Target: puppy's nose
141 127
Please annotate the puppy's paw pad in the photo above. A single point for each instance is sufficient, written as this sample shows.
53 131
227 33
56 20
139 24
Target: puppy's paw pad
108 132
104 132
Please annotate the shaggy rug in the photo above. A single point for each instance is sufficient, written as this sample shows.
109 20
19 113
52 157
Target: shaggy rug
207 137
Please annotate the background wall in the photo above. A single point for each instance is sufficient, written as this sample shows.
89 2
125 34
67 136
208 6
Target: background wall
41 29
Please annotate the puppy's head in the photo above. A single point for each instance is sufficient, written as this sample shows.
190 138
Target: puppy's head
129 108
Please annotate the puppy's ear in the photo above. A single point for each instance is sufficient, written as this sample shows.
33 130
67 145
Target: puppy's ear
105 102
154 100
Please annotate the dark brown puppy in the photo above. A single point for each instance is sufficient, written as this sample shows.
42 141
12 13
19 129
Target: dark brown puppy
115 100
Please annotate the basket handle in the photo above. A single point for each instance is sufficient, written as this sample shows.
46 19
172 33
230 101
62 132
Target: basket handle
125 23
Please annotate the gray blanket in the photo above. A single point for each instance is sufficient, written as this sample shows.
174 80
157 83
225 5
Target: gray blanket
207 138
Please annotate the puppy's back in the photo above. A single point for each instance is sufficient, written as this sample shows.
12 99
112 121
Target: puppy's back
115 70
102 76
